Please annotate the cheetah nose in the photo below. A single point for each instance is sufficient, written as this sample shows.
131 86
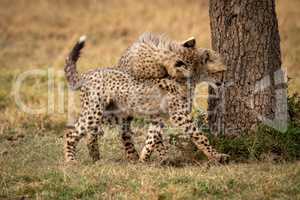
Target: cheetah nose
224 68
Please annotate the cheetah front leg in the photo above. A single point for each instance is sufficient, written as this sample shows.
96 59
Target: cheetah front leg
181 118
154 141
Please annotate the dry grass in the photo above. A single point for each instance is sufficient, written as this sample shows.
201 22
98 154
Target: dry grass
32 167
37 34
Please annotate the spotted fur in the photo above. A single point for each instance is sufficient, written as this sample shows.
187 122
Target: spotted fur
119 93
197 63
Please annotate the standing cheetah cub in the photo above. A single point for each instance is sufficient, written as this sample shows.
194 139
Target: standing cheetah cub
105 90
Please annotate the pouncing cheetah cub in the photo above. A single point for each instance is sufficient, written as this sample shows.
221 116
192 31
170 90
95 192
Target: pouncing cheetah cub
156 56
107 89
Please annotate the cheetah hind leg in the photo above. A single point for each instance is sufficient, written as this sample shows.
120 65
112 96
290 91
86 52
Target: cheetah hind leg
93 147
71 138
94 132
87 123
126 137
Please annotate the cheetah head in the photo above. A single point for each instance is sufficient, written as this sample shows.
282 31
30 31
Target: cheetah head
179 62
209 67
190 61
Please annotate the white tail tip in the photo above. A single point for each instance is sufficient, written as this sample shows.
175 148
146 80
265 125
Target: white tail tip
82 39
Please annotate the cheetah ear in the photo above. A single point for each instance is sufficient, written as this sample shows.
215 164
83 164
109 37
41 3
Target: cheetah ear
189 43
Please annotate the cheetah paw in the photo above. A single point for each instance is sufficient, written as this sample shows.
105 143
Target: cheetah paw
71 162
222 158
133 157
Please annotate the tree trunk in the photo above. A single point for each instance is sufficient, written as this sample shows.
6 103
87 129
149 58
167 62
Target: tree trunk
246 35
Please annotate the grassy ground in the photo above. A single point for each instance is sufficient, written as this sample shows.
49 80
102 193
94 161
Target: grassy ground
37 34
32 167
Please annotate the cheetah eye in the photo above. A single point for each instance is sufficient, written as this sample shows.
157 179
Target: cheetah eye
206 58
179 63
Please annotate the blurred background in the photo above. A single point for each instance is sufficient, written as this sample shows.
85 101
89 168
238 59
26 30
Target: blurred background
38 34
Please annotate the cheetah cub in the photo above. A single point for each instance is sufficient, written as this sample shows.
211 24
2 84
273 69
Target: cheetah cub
107 92
170 63
156 56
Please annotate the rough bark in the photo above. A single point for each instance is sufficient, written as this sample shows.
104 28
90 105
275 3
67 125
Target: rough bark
246 34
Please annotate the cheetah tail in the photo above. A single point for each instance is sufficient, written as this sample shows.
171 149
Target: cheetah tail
71 72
